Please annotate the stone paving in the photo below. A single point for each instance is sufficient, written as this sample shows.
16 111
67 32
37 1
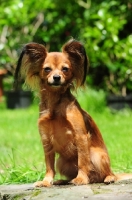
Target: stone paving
117 191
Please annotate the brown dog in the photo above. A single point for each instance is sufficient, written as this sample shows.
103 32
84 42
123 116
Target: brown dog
65 128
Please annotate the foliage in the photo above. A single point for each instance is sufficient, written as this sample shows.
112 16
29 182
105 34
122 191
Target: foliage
109 44
91 100
103 26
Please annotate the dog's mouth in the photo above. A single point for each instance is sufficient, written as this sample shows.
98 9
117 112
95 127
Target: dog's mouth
55 84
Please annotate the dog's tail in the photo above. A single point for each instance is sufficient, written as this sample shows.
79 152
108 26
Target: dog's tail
123 176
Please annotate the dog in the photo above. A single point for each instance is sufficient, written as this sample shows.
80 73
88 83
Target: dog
65 128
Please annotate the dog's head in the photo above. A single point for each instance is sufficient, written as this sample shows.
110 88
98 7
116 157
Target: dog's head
53 70
56 71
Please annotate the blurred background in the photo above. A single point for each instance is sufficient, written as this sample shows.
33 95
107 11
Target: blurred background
104 27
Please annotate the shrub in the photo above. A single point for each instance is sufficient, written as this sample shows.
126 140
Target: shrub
103 26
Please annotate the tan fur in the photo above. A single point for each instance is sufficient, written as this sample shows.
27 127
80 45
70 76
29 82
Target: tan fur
65 128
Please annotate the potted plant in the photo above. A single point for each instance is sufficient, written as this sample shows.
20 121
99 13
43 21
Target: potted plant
16 98
119 82
108 41
120 86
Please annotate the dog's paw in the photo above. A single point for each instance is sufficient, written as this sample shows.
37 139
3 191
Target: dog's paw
43 183
110 179
80 181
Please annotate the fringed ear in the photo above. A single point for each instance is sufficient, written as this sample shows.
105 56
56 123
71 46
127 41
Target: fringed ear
77 56
29 65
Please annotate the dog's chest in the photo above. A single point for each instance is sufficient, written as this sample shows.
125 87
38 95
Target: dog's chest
61 137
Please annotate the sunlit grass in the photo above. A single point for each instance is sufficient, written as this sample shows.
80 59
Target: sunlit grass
21 153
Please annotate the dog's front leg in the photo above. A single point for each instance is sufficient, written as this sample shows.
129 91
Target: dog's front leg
84 164
50 172
48 152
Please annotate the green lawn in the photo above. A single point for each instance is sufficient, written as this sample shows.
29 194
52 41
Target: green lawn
21 153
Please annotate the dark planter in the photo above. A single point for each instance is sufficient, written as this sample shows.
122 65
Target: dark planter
119 102
18 99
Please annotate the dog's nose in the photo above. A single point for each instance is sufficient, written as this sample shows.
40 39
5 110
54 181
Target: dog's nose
56 78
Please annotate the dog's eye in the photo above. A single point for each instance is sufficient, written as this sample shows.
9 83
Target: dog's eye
47 69
65 69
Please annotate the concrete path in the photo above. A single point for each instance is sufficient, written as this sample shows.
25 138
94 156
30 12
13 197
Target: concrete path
118 191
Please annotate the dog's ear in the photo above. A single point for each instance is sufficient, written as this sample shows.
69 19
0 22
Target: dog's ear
77 56
29 65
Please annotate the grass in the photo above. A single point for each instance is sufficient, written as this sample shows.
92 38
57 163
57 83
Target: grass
21 153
